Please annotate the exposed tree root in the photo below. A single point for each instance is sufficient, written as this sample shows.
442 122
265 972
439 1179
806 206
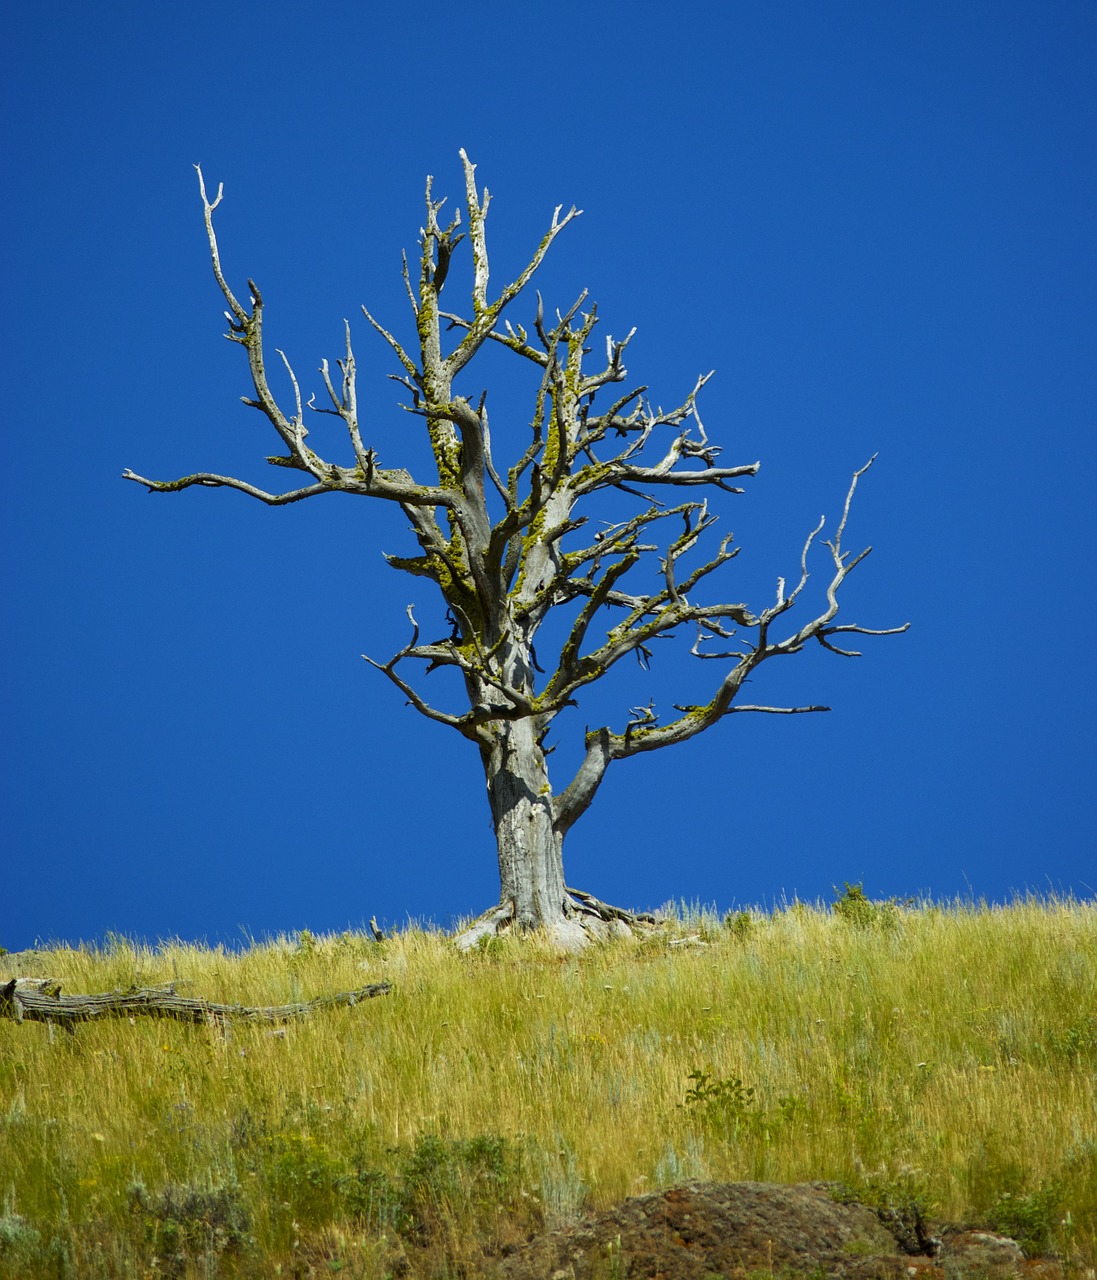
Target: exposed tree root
593 906
583 919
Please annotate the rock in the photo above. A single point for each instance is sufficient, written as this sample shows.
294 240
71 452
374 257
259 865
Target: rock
703 1229
980 1255
706 1229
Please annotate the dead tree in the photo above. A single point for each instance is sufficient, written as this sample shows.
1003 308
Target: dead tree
508 541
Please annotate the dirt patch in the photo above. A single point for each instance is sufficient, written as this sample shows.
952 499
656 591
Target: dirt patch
704 1231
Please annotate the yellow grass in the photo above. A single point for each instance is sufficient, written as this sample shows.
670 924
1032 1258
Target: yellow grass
937 1056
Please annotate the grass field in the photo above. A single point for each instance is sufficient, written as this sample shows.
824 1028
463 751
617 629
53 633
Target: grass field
934 1058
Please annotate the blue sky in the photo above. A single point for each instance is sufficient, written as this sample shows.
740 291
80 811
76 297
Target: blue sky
875 222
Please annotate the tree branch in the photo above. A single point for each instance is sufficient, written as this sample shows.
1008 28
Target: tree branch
211 481
604 746
644 733
486 315
420 704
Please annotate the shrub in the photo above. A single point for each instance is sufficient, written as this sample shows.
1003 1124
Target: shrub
305 1178
1031 1219
862 913
470 1178
740 924
726 1106
18 1240
187 1222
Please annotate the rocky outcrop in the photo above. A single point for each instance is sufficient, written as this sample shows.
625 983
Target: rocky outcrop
706 1230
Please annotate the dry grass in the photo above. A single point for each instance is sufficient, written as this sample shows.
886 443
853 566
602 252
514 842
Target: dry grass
941 1055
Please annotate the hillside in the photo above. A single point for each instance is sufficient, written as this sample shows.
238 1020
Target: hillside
938 1062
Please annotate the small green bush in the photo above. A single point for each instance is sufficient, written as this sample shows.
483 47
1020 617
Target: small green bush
471 1178
1076 1042
862 913
304 1177
726 1106
740 924
1031 1219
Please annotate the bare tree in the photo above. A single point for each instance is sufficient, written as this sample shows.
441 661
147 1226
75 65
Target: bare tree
505 548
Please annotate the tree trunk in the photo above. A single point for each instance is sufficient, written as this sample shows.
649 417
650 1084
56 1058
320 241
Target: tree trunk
533 893
531 864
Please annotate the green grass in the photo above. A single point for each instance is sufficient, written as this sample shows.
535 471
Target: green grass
938 1060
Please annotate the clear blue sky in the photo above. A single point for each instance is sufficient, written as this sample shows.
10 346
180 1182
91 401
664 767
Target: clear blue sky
876 221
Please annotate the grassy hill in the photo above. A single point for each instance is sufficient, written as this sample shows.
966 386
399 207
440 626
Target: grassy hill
934 1059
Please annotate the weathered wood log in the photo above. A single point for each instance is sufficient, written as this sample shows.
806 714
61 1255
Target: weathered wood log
40 1000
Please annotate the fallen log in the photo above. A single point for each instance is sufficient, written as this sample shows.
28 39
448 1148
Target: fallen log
40 1000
